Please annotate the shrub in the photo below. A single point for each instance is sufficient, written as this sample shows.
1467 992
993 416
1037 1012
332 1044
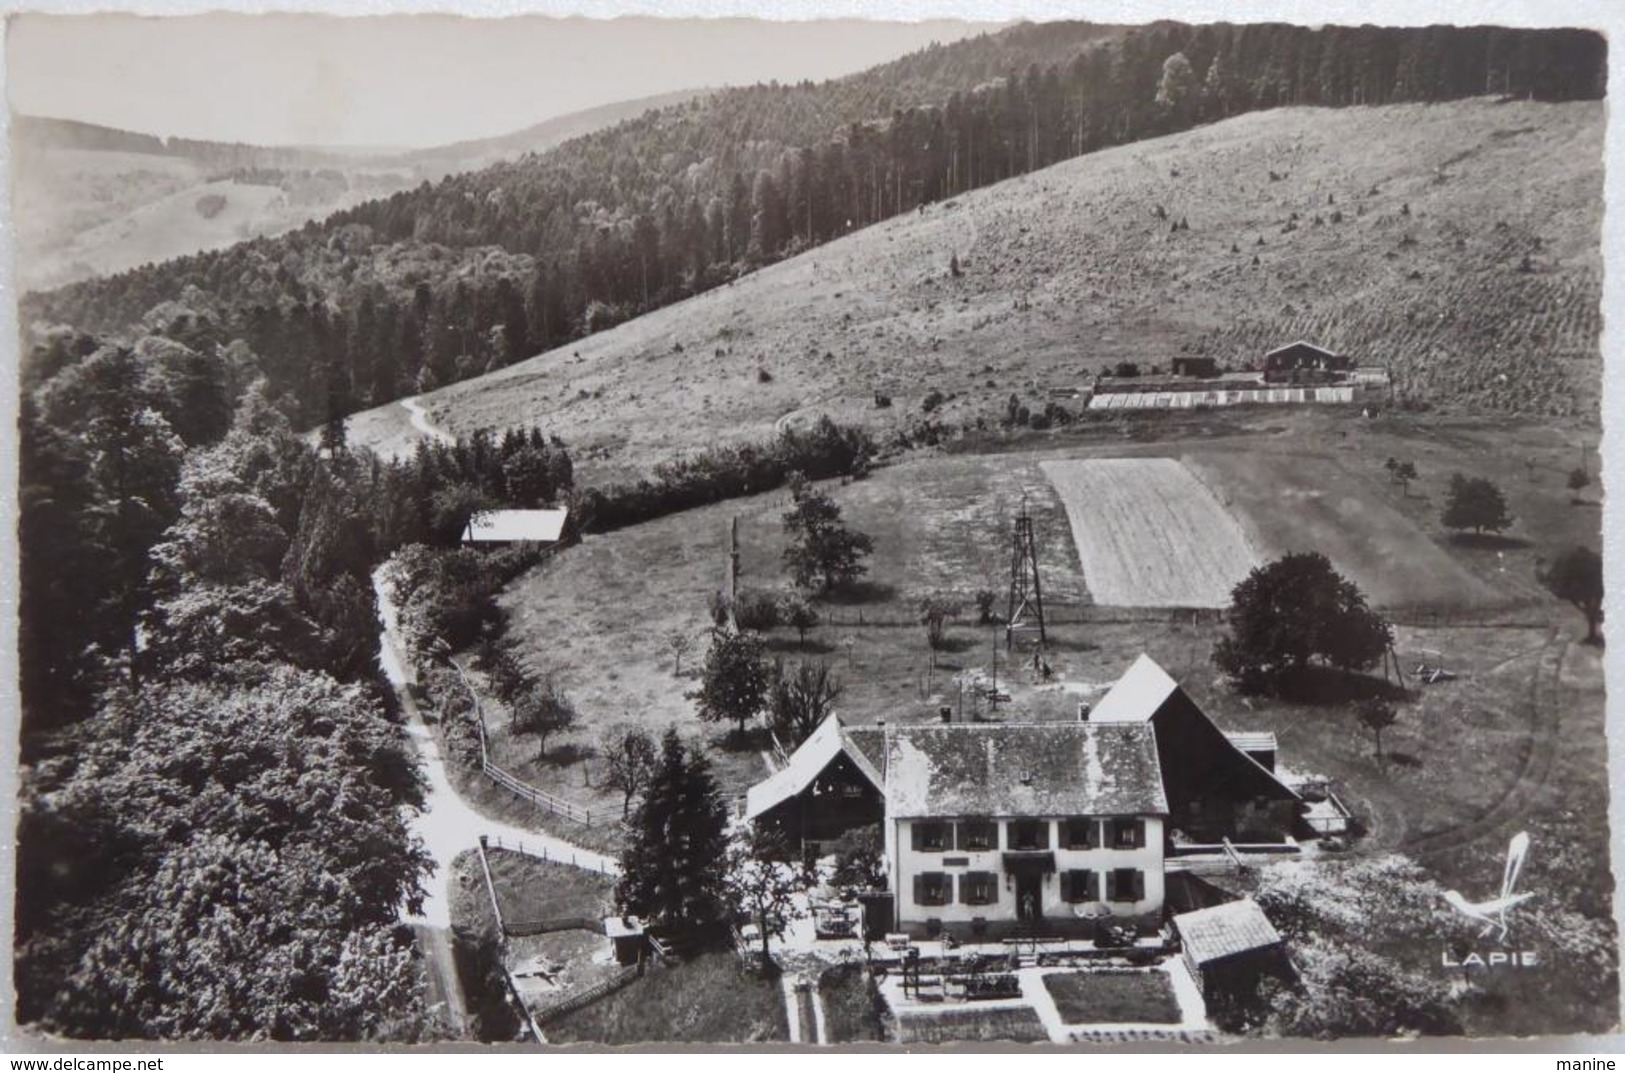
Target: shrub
757 609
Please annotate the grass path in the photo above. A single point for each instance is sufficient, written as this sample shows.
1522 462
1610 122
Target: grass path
421 422
1535 765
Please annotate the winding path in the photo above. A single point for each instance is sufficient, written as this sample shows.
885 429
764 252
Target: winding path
447 826
420 421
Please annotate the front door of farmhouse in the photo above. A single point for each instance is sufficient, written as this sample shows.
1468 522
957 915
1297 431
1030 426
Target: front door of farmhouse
1030 897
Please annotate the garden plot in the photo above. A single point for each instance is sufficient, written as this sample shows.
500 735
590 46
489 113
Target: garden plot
1149 534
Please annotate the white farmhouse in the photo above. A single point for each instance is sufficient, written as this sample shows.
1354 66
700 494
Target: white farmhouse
1023 828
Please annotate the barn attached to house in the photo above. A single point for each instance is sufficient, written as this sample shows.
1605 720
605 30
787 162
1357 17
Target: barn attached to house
1301 361
490 528
1230 947
1216 785
830 785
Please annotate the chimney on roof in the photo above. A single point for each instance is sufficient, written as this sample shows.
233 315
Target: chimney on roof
946 713
1083 711
881 723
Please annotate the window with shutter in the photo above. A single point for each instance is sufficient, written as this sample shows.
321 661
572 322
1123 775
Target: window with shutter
979 888
1126 885
1075 885
978 834
1091 887
933 888
1079 833
1129 834
1029 834
931 837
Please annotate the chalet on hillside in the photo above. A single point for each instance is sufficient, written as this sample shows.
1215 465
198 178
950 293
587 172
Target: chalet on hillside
1303 361
489 528
1217 787
831 785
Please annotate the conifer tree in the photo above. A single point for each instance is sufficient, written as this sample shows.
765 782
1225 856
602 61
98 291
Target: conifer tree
673 869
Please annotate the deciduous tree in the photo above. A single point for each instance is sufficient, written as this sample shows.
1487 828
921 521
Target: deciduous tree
801 696
1475 503
1576 576
823 552
1294 610
762 885
734 681
630 758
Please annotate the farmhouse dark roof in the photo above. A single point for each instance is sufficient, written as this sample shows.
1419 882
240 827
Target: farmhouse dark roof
1226 930
1301 344
1023 769
1147 695
868 744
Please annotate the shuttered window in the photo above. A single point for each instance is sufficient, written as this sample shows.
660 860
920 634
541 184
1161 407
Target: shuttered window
1028 834
978 834
1125 885
1080 885
979 888
933 888
932 837
1128 834
1078 833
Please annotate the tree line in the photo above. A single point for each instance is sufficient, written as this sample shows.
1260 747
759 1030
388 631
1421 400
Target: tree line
455 279
213 841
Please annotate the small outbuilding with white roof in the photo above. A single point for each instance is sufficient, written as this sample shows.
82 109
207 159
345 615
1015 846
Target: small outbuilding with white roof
490 527
1230 946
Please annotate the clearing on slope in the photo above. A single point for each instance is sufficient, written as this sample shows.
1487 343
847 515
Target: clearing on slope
1149 533
1412 225
1299 502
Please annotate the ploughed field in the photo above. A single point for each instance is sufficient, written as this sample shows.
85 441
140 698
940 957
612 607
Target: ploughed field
1150 534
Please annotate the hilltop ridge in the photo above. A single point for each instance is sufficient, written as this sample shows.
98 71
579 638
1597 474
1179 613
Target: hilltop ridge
1457 243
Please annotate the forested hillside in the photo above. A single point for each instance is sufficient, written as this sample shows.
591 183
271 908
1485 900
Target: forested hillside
1457 244
481 270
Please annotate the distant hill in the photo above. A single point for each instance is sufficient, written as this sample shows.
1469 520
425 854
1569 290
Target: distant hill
479 152
1395 234
94 200
446 281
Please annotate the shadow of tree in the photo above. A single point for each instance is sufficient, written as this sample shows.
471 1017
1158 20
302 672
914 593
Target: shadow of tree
1327 686
1488 541
812 646
751 739
860 592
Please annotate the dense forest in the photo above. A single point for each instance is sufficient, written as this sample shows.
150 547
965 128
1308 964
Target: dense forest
455 279
214 842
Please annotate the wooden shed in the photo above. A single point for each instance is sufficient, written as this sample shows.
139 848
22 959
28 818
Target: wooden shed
1230 947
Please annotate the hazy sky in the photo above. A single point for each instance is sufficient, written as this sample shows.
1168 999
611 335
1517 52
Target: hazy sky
406 80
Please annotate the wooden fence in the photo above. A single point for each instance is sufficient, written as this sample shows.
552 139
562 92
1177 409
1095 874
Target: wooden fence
586 998
506 779
541 851
518 929
512 988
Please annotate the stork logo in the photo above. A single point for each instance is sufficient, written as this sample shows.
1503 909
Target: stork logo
1492 914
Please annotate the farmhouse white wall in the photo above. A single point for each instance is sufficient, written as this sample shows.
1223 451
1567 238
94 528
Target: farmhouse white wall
907 863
